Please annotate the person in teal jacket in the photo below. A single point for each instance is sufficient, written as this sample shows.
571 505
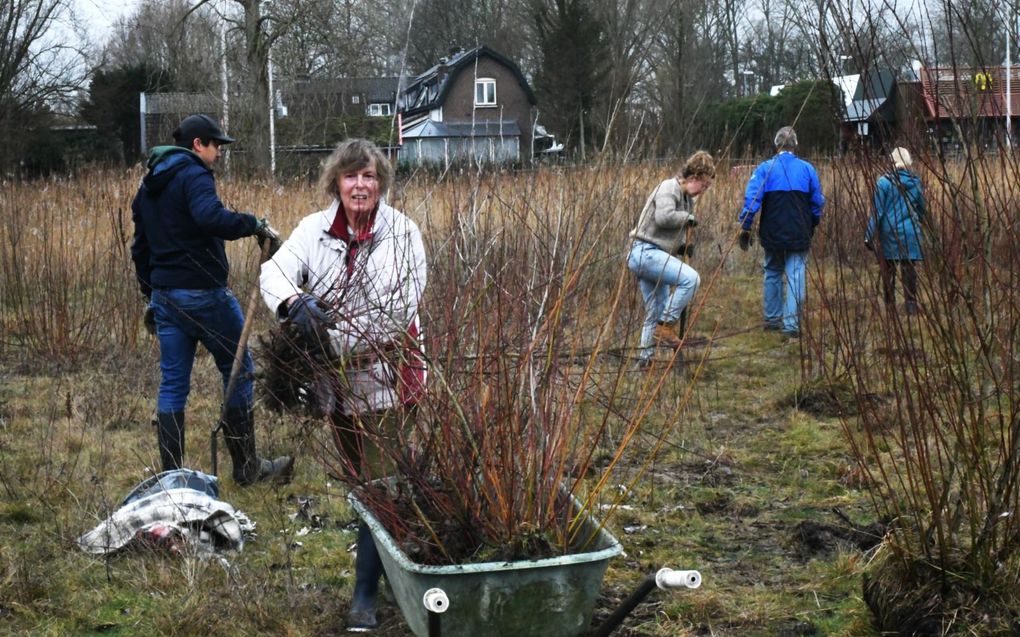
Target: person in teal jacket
896 224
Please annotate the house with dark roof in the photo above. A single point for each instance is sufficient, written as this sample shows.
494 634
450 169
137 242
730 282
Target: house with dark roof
473 105
339 97
869 105
970 101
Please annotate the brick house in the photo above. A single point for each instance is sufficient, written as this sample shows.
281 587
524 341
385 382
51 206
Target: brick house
473 105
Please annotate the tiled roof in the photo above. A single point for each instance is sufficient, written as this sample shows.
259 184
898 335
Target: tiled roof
376 89
969 92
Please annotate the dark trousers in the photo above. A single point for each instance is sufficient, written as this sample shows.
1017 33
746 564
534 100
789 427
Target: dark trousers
908 274
358 438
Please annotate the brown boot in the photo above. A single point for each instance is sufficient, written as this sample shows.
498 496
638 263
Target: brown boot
666 336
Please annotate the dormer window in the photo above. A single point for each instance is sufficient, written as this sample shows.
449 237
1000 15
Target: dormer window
485 91
379 109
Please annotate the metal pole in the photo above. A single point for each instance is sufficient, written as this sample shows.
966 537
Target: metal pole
1009 89
665 578
272 114
143 144
624 609
224 86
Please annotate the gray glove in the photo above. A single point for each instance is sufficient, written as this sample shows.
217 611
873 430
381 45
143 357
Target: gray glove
264 232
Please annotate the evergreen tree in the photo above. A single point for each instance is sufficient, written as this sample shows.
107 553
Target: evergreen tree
573 69
112 105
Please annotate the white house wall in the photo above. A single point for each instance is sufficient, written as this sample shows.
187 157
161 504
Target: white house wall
443 150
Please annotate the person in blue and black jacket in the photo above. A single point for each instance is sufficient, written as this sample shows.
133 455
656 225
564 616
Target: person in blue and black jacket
181 265
785 189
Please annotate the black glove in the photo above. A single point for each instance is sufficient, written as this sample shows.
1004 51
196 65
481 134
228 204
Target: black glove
309 318
264 232
149 320
746 240
692 221
686 250
869 245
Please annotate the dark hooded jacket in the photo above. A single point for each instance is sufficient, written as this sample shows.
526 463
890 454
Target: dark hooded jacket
181 225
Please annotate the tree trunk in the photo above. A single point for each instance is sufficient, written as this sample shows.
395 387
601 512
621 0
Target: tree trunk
256 55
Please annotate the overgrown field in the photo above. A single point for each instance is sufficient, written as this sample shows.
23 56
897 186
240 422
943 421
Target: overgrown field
742 466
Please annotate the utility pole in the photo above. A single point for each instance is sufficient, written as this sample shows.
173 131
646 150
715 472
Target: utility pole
272 115
224 84
1009 85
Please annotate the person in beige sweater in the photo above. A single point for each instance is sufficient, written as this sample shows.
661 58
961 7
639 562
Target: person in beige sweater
658 243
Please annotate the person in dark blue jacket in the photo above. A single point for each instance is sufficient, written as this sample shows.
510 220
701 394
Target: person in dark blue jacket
899 212
785 189
181 264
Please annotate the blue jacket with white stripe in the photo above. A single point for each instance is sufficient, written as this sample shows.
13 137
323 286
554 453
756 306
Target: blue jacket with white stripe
786 190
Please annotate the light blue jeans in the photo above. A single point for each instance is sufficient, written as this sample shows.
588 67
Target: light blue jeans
657 271
185 318
779 307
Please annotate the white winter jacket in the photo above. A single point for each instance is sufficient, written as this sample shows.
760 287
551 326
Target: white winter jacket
375 300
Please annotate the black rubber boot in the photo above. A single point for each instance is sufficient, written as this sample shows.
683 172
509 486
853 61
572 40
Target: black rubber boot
367 571
249 468
170 434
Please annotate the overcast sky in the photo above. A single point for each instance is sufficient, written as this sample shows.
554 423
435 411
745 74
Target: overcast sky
99 15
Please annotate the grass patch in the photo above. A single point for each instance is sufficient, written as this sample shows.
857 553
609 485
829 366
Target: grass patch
737 469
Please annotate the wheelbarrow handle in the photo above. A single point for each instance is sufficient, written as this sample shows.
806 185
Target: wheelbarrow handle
668 578
436 602
665 578
235 368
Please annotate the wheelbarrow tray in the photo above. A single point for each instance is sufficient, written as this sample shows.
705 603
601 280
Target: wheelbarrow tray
521 598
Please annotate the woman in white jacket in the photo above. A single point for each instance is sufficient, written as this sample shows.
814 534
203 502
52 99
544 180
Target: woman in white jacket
348 279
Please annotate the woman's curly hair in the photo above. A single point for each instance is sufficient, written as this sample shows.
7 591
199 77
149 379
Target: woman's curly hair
700 165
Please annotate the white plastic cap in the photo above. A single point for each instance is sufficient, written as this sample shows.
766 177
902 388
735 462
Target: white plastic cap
668 578
435 600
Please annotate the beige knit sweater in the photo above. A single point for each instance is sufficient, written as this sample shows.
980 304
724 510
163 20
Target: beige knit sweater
664 216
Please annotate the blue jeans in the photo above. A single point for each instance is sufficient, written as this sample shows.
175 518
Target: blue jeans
778 308
656 271
185 318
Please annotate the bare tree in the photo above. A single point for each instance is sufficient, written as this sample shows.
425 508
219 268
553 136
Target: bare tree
158 36
973 32
630 27
685 70
772 44
330 39
38 68
729 14
255 25
444 24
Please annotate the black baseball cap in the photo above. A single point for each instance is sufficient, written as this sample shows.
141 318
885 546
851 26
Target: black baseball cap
202 127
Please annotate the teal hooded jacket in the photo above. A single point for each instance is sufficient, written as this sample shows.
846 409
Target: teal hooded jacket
899 211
